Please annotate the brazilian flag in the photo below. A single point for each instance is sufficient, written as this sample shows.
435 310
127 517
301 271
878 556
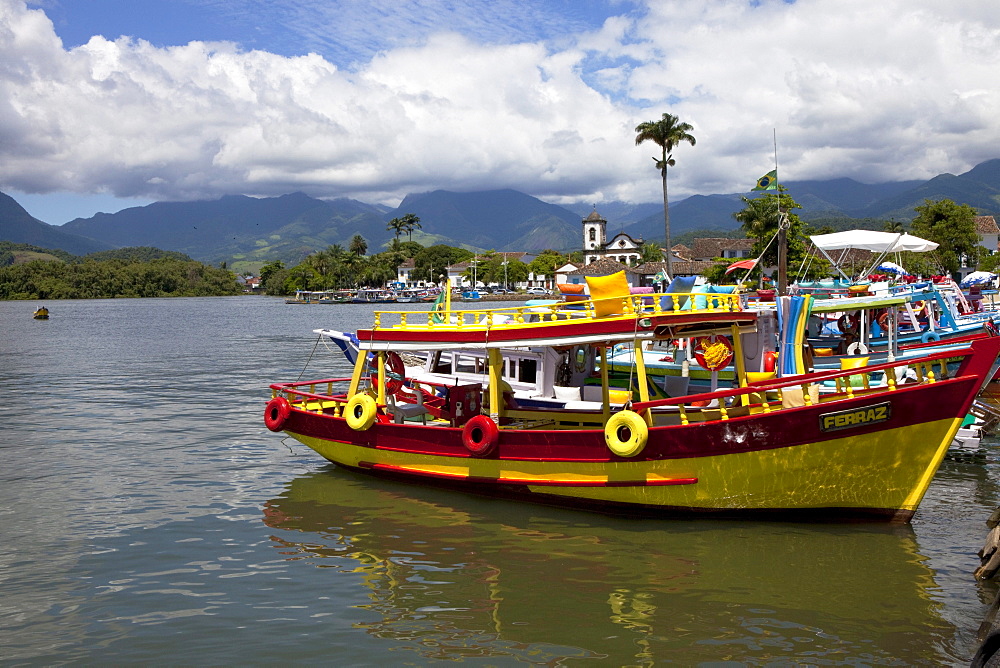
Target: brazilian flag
767 182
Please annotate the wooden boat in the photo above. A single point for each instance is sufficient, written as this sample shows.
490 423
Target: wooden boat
773 448
41 313
374 296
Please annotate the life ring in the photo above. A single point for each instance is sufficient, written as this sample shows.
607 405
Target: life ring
770 360
713 352
360 412
276 413
857 348
917 307
883 320
847 323
480 436
929 336
626 433
395 373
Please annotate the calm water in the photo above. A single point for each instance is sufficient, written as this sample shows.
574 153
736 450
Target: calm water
148 517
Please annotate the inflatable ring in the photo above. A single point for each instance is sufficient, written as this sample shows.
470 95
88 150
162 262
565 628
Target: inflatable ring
713 352
857 348
360 412
928 336
883 320
276 413
626 433
480 436
847 323
395 373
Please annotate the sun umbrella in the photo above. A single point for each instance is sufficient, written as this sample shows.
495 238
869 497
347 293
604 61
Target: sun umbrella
742 264
892 268
977 278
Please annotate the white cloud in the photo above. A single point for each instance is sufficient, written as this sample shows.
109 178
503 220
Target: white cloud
878 91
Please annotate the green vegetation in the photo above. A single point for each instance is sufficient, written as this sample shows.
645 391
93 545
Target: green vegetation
126 272
953 227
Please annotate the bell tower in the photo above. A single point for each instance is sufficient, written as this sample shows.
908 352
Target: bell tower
594 236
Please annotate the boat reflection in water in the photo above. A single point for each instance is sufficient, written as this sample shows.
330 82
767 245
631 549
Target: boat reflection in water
452 577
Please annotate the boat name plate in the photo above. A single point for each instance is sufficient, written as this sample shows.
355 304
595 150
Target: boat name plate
855 417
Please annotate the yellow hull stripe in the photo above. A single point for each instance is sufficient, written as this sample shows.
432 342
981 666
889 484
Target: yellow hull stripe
890 469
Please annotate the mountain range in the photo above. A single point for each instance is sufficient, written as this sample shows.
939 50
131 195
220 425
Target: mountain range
246 232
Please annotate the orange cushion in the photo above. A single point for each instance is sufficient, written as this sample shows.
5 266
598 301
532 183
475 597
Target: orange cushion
607 292
570 288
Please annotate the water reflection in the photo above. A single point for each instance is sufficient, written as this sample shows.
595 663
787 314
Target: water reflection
453 576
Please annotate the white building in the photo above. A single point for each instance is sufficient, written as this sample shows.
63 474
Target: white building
621 248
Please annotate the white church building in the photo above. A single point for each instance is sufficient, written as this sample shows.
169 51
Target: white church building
621 248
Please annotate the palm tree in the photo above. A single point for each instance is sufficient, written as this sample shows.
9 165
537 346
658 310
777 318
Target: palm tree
666 133
397 225
894 226
358 245
411 222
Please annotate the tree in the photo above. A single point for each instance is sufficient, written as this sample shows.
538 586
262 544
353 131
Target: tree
666 133
546 263
431 264
759 220
358 245
953 227
397 225
894 226
650 252
269 269
411 222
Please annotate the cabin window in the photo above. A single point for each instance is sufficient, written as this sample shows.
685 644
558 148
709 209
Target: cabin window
466 364
441 363
527 371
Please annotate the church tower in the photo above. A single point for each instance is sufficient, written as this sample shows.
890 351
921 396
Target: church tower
594 236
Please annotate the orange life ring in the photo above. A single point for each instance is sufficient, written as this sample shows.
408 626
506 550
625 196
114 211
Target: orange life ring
713 352
480 436
395 373
883 320
276 413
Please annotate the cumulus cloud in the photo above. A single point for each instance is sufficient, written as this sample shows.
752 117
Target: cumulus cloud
887 91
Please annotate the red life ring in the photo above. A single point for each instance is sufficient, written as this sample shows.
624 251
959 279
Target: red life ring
395 373
770 360
480 436
276 413
848 323
717 358
883 320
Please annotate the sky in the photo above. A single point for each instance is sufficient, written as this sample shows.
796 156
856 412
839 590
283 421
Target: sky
106 104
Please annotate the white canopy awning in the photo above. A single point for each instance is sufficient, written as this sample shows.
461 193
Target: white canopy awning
872 240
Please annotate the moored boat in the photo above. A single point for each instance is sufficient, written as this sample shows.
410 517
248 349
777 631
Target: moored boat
41 313
774 448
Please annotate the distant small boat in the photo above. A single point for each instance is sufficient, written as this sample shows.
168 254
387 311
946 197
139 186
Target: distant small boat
41 313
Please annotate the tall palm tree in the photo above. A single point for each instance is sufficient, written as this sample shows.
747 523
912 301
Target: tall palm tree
397 225
666 133
411 222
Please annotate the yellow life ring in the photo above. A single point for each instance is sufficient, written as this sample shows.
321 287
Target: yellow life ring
360 412
626 433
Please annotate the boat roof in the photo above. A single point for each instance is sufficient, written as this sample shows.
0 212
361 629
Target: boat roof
837 305
872 240
559 326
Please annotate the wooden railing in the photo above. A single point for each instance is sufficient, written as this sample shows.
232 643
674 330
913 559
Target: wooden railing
628 306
